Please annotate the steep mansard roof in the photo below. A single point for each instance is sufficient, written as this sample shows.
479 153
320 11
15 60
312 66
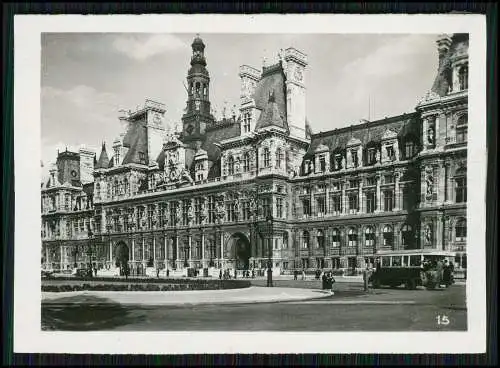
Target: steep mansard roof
103 161
367 133
136 140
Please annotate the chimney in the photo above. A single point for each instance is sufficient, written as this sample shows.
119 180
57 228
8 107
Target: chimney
443 43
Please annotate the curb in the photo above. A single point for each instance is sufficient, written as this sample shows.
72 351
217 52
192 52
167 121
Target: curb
108 301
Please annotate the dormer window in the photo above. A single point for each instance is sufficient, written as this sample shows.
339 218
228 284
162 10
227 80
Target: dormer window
142 157
230 165
353 183
279 158
322 163
246 162
267 157
463 76
354 155
390 153
247 117
338 162
462 129
117 157
409 149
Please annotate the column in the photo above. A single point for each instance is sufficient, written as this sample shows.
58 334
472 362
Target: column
441 182
424 132
203 260
222 248
154 250
133 249
397 194
190 258
379 196
61 260
327 200
47 258
111 253
143 252
343 199
361 204
165 251
178 258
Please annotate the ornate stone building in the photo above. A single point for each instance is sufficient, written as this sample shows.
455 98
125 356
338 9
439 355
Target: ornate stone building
258 186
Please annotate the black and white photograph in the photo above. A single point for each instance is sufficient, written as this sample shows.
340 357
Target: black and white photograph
251 184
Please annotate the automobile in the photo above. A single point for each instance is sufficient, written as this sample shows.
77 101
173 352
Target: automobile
408 268
47 274
81 272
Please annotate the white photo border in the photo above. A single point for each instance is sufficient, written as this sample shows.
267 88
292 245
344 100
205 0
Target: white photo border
28 336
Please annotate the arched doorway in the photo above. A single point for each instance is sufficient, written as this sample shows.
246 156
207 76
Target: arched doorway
240 251
122 257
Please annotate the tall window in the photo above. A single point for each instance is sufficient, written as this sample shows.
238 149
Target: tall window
461 230
247 117
353 202
388 200
369 236
371 156
462 129
230 165
406 198
354 183
173 214
279 207
463 77
246 162
322 163
461 187
335 238
371 181
352 237
125 186
211 209
407 236
230 211
197 210
370 202
338 162
185 210
279 158
306 205
321 203
335 204
305 239
150 216
409 149
388 236
267 157
66 202
266 207
390 153
246 210
354 156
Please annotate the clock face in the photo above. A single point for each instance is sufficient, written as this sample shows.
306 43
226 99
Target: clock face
73 173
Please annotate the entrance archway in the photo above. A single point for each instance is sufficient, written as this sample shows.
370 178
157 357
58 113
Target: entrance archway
240 251
122 257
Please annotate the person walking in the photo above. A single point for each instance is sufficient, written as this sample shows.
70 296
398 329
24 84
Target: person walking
253 273
303 274
220 275
324 280
295 274
331 281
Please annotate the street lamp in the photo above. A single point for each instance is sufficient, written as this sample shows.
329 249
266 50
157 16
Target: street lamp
269 221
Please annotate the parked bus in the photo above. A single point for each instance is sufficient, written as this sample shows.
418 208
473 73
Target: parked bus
409 268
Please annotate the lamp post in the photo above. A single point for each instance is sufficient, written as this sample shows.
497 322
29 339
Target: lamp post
269 231
90 236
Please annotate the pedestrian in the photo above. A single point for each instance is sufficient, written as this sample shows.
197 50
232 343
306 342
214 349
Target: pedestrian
220 275
295 274
253 273
235 273
331 282
168 272
446 274
324 281
303 274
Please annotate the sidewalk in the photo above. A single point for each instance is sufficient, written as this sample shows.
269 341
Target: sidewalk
148 298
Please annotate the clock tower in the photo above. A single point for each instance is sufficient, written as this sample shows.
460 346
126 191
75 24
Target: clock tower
197 113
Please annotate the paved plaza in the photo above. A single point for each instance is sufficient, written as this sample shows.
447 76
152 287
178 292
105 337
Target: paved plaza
290 305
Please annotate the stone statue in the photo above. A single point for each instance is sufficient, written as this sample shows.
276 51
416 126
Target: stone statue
377 156
190 213
143 220
178 214
429 181
343 163
428 234
430 135
204 211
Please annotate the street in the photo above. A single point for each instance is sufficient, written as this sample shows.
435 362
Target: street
349 309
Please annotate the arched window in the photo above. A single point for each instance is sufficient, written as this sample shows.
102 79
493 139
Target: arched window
461 230
198 88
125 186
246 162
352 237
463 77
409 148
230 165
321 239
279 158
267 157
369 236
115 187
305 239
407 236
461 129
388 235
247 118
460 186
98 190
335 238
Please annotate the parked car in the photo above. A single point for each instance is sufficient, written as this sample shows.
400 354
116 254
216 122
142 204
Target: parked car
82 272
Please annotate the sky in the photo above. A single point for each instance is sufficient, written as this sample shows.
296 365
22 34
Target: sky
88 77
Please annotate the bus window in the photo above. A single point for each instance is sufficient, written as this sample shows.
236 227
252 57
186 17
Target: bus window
386 261
396 261
415 261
